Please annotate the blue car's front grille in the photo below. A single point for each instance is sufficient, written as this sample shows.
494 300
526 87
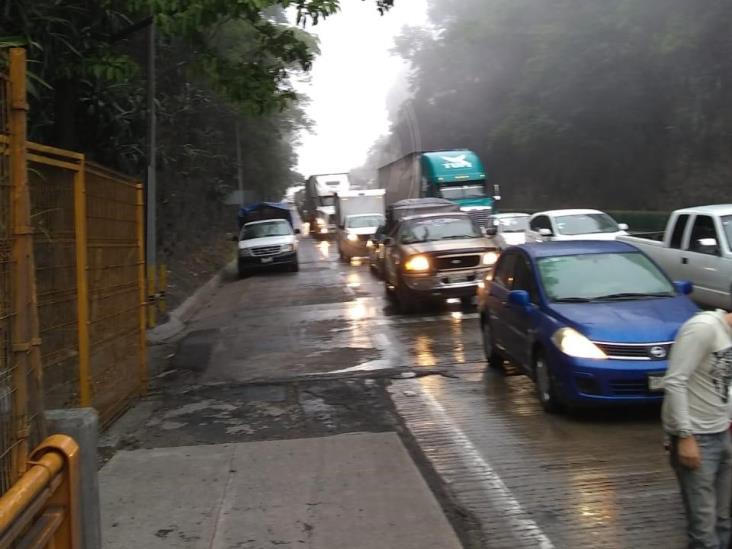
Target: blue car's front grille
630 388
644 351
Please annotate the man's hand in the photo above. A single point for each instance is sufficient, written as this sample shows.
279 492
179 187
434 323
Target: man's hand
688 453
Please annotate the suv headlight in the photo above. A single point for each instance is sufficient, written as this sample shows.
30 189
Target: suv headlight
288 247
573 343
417 264
353 237
490 258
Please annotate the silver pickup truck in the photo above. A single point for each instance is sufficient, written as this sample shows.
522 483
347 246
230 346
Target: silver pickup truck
696 246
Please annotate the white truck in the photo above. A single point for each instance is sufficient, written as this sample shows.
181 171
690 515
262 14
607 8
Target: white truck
358 215
696 246
319 202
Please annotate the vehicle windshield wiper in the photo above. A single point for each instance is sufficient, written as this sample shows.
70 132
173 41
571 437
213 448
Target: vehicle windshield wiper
458 236
571 300
631 295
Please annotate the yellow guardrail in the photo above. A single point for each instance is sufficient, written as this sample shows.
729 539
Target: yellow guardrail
42 509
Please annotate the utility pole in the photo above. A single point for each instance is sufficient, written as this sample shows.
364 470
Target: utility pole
239 166
151 190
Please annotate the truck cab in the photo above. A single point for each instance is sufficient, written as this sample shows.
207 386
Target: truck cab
358 215
696 246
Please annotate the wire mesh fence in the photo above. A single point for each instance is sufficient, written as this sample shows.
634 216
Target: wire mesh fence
116 279
76 289
52 214
7 423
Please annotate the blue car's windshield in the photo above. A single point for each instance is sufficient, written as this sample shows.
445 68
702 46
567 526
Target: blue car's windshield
597 277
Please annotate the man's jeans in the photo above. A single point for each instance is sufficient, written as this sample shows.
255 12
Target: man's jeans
707 491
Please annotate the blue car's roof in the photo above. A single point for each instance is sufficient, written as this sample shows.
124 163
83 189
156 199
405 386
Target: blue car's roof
575 247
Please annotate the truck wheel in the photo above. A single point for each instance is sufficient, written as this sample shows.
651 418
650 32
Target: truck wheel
242 271
295 265
407 301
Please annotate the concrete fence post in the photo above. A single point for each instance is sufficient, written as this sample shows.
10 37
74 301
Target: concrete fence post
82 424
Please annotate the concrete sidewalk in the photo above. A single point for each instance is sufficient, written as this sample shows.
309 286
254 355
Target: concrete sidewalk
355 491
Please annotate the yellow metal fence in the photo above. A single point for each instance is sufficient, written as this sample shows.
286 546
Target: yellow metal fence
72 283
88 235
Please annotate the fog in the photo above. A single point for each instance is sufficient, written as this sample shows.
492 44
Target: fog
612 104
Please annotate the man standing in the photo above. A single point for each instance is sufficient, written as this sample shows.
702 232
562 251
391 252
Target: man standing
696 417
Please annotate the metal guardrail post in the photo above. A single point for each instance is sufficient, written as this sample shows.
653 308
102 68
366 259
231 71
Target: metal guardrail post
82 285
140 219
42 509
22 266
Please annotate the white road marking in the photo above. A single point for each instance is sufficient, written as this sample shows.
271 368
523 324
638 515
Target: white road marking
493 486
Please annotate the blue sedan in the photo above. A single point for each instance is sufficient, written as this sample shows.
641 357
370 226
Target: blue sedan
590 322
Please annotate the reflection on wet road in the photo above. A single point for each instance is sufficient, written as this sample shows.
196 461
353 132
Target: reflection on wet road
597 479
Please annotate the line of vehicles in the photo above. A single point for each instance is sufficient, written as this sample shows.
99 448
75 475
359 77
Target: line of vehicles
587 310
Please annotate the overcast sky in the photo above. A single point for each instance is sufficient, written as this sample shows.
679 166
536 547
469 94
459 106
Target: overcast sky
350 81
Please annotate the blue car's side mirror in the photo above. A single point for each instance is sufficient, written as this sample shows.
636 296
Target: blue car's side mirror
684 287
520 298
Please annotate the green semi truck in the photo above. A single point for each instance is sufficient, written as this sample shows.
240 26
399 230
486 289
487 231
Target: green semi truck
455 175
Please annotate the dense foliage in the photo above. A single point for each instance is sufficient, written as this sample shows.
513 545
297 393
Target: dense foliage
611 103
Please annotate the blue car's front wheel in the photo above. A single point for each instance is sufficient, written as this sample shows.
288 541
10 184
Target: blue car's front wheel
546 389
491 355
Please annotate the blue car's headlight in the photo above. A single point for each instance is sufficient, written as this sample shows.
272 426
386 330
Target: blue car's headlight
573 343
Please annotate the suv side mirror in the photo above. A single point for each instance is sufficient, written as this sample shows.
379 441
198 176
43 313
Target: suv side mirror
683 287
491 231
623 226
520 298
546 232
298 231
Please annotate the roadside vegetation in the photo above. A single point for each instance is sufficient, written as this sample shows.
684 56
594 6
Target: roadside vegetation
618 105
219 64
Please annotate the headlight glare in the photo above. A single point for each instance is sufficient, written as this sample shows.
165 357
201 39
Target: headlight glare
417 263
352 237
574 344
490 258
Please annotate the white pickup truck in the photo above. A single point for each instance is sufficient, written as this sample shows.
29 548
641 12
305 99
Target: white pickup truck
696 246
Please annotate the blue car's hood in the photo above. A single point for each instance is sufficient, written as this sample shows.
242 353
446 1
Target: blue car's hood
646 321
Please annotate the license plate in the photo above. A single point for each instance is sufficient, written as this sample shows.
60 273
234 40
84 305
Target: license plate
458 279
655 383
267 260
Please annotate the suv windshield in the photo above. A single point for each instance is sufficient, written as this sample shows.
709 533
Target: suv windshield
601 277
263 230
591 223
467 191
365 221
518 224
727 229
439 228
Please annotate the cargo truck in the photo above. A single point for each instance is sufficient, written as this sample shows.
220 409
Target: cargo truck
358 215
456 175
319 202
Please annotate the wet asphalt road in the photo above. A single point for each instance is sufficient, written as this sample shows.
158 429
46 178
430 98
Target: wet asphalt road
597 479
